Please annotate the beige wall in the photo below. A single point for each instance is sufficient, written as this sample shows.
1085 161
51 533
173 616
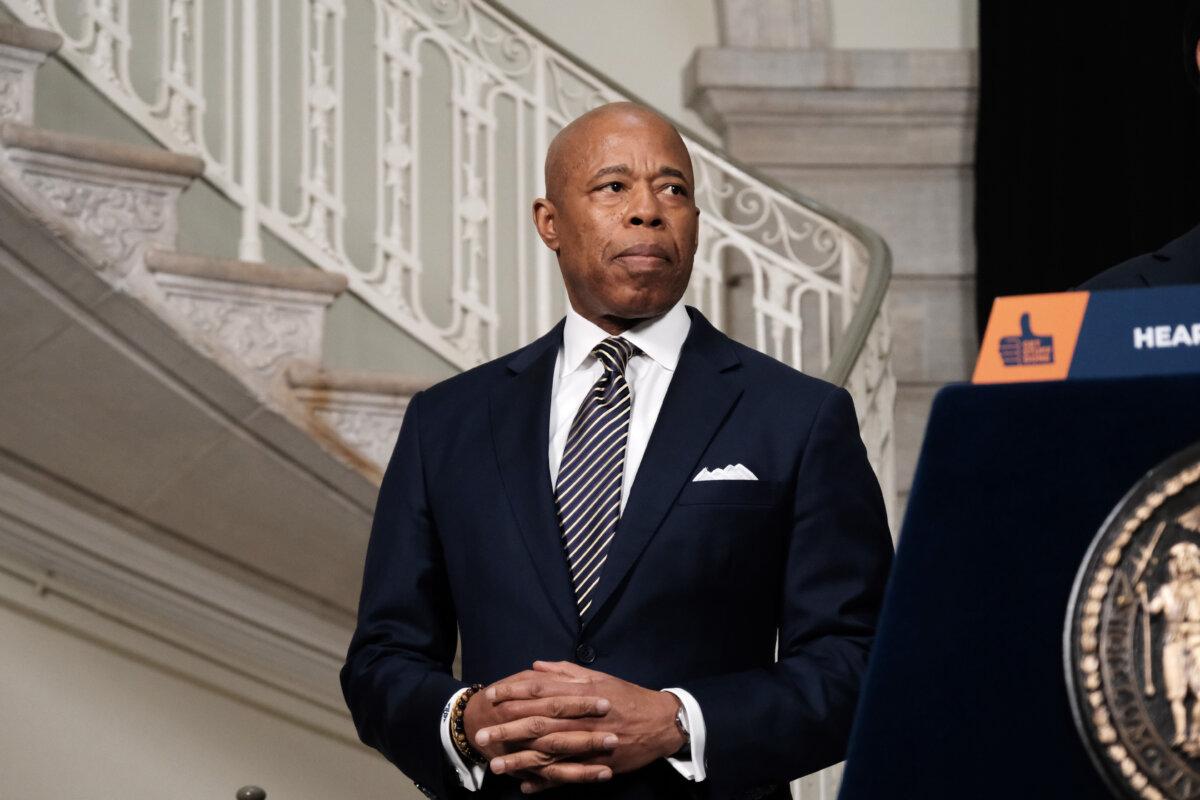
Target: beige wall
904 24
641 45
664 33
92 709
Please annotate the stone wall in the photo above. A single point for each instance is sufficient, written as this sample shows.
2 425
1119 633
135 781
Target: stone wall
886 136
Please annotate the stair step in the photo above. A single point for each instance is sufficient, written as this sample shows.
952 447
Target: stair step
324 379
22 51
23 37
248 272
18 136
265 318
123 195
364 409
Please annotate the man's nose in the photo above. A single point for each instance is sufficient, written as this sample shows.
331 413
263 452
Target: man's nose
643 208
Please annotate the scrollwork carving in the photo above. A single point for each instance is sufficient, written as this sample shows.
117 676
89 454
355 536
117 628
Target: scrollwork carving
123 218
488 35
371 431
763 215
11 94
260 336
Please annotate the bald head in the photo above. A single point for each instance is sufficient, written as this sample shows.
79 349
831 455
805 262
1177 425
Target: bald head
565 151
619 214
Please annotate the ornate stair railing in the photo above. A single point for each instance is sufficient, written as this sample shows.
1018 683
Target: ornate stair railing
399 143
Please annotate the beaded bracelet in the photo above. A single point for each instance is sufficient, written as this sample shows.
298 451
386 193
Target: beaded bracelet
458 731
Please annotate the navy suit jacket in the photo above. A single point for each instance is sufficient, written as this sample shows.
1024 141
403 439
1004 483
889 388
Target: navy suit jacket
1175 263
700 577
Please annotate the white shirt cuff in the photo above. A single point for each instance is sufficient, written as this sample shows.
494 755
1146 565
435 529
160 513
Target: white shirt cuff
470 777
694 768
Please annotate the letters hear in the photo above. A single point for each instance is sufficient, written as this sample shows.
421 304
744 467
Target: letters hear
1155 336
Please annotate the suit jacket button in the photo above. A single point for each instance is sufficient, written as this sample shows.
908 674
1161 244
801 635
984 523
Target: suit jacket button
585 654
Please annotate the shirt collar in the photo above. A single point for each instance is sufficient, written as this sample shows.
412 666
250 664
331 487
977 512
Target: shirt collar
660 338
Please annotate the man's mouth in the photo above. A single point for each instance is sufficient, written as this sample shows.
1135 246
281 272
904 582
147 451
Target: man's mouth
648 254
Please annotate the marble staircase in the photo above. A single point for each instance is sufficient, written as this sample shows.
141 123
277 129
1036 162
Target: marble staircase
172 451
256 320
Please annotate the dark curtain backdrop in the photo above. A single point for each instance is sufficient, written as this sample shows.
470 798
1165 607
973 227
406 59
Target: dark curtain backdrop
1088 146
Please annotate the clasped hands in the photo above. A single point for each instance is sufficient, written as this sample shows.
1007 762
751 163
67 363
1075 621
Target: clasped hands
562 723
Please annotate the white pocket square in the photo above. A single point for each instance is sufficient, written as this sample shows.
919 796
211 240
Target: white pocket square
730 472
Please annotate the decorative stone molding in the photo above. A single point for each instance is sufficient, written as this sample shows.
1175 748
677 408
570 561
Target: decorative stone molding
364 409
122 195
22 50
853 108
264 317
775 72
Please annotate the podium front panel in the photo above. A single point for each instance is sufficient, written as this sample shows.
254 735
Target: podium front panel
965 695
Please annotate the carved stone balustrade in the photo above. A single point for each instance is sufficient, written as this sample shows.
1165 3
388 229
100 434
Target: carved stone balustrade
263 317
123 195
22 50
364 409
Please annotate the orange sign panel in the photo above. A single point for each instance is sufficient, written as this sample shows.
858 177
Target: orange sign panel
1031 338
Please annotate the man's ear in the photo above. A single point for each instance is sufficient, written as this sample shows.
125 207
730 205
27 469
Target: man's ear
545 219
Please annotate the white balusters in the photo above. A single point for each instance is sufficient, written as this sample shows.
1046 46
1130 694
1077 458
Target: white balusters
180 103
321 184
395 267
110 49
250 246
435 116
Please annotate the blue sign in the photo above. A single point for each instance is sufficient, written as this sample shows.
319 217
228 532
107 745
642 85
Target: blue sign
1139 332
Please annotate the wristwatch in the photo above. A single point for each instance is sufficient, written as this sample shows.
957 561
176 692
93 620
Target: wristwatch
684 752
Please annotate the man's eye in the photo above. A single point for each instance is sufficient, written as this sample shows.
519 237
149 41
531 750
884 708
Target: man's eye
616 186
679 191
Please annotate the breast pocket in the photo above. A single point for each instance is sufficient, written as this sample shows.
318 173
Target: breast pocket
744 493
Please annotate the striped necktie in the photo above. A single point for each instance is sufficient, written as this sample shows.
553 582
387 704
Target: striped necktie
588 493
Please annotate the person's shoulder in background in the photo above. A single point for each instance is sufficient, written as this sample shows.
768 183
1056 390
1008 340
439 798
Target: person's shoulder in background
1174 263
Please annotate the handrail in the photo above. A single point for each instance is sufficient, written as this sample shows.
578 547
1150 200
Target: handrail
491 53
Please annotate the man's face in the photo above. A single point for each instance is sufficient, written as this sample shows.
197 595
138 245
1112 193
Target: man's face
622 218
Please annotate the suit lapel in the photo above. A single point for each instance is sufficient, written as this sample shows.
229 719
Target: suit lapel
520 417
702 392
1175 262
1170 273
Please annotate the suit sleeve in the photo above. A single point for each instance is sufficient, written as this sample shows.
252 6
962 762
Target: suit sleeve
770 725
397 674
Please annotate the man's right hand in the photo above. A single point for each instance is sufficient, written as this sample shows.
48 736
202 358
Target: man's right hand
560 721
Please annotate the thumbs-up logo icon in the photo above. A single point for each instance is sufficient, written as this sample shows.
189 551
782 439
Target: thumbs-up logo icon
1027 348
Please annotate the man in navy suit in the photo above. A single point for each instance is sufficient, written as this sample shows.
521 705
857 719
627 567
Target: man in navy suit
620 519
1175 263
1178 261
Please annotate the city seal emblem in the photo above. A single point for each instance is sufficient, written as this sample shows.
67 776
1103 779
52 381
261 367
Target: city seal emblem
1132 640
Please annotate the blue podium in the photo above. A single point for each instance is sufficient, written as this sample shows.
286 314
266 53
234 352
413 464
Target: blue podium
965 696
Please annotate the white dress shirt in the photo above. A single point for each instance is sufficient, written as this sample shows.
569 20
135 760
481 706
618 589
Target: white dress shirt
648 374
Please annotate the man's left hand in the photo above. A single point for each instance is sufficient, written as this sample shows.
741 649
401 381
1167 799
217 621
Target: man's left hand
643 720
